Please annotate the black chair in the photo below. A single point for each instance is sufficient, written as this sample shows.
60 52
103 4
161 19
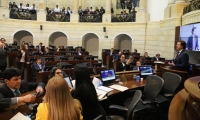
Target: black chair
57 58
97 64
49 59
98 117
63 58
137 96
60 64
171 83
152 88
32 60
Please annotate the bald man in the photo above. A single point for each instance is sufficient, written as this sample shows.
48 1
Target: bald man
3 55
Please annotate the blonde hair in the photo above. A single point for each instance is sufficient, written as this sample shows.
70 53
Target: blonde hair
60 104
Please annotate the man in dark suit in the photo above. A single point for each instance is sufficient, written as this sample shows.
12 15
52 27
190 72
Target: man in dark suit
138 63
111 52
156 58
37 66
182 59
14 86
5 45
3 55
192 43
41 49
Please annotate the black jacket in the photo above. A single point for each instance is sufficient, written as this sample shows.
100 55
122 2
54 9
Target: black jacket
182 61
120 67
3 55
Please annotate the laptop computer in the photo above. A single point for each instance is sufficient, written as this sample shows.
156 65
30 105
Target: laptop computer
67 79
145 71
107 76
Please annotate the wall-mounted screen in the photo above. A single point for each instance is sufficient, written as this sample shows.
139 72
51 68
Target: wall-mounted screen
191 35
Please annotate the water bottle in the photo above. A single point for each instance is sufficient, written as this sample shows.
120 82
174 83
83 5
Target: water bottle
138 79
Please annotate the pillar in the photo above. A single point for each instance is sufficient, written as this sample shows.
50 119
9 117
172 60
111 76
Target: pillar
107 14
41 14
168 9
177 8
142 15
4 11
74 17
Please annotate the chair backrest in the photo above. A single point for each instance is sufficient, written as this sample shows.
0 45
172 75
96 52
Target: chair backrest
70 58
152 87
57 58
61 63
137 96
43 59
171 82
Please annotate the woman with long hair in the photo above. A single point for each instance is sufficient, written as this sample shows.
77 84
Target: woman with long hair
58 103
85 92
122 65
22 59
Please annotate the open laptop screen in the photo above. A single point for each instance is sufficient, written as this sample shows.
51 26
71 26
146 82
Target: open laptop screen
146 70
68 82
107 75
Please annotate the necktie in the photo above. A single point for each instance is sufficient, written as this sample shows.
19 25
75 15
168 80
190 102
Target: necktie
17 92
177 55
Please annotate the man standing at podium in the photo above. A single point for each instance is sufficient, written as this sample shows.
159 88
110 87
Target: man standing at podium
182 59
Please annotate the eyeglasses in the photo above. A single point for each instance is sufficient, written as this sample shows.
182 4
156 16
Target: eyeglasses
59 73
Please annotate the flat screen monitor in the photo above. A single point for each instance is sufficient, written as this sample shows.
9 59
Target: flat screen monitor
48 68
67 66
107 75
67 79
146 70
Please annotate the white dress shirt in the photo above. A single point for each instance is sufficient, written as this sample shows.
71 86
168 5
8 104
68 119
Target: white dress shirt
57 10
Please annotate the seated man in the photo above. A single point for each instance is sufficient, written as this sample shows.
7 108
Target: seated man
14 86
156 58
138 63
111 52
37 66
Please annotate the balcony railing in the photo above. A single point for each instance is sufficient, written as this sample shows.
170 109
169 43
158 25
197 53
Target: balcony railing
58 17
124 17
24 15
91 18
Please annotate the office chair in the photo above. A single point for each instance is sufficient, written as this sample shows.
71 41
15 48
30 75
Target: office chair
60 64
137 96
171 83
70 58
57 58
151 90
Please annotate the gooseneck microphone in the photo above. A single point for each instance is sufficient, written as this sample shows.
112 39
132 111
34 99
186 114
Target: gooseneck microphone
196 107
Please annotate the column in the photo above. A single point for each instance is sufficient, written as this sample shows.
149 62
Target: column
177 8
74 17
168 9
107 15
41 14
4 11
142 15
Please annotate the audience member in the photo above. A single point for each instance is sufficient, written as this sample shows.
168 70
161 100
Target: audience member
80 12
79 51
135 50
138 63
5 45
15 43
57 9
14 86
122 2
129 7
20 7
37 66
111 52
116 56
182 59
85 92
156 58
58 103
22 59
121 65
3 61
41 49
47 52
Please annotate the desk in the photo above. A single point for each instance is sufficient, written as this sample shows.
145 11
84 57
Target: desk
8 113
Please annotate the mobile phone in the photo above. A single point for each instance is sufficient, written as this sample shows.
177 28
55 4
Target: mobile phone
36 94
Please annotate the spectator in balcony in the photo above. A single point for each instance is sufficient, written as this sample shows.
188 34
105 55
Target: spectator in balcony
68 11
20 7
87 10
91 10
33 9
57 9
102 11
80 12
27 7
122 2
129 7
15 43
13 10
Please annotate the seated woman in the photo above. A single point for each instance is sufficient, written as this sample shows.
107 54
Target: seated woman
121 65
58 105
85 92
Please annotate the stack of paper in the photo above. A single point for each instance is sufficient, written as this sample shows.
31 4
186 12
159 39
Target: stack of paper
119 87
102 91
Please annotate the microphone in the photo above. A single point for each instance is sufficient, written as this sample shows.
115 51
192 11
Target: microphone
194 104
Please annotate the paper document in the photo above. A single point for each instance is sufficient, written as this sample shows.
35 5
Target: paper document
106 89
101 94
96 82
19 116
119 87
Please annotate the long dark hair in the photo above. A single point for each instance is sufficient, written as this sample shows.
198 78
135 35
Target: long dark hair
82 77
52 74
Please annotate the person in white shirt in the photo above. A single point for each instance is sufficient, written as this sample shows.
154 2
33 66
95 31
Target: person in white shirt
68 11
91 10
57 9
33 7
20 7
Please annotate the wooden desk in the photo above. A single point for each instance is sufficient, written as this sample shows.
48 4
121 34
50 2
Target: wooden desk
43 76
8 113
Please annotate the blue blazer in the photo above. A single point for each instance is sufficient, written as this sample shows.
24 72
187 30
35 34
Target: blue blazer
116 57
189 42
136 68
36 68
182 61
